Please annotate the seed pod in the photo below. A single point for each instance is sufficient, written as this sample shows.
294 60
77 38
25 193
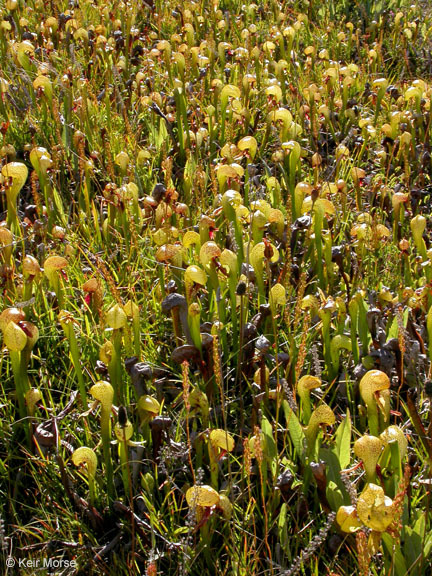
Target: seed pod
122 416
316 160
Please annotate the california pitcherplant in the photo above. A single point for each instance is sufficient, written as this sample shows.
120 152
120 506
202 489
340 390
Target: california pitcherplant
86 456
217 215
374 390
14 177
103 393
